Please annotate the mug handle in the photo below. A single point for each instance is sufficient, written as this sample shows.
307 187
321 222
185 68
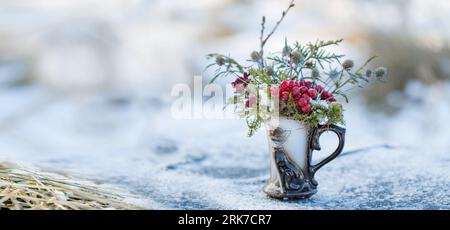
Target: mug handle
315 145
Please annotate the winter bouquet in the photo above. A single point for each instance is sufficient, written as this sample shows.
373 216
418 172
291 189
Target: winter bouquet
303 86
302 82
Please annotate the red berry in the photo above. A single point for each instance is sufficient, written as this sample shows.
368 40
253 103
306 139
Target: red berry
296 92
308 84
319 88
284 87
303 89
307 97
291 84
325 95
312 93
253 100
303 102
306 108
285 96
332 99
274 91
239 88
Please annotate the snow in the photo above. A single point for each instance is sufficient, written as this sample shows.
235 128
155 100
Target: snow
133 143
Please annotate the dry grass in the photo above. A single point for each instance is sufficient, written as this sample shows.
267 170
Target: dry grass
25 189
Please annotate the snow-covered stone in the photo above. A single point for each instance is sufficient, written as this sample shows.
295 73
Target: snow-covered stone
199 164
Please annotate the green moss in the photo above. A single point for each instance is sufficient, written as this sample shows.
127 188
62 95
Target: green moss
321 114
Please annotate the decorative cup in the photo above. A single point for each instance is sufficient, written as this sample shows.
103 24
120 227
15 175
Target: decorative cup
291 146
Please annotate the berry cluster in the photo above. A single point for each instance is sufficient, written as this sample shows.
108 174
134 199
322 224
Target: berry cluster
303 93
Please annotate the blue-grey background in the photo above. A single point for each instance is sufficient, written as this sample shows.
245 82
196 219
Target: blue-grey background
85 90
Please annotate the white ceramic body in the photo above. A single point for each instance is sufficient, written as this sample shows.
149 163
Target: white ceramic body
291 145
296 144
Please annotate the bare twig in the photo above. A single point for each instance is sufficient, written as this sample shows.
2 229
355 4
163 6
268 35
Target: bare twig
365 64
264 41
261 38
291 5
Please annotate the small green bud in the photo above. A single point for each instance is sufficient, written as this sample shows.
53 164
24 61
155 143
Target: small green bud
348 64
256 56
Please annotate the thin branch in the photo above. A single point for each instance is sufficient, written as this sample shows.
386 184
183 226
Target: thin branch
261 38
365 64
264 41
291 5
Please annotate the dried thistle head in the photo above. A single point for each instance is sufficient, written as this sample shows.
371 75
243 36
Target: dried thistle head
296 57
348 64
369 73
220 61
309 64
380 72
269 70
255 56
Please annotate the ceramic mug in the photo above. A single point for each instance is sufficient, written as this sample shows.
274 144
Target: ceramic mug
291 146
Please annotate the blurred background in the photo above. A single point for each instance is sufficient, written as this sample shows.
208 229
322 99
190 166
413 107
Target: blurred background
85 88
